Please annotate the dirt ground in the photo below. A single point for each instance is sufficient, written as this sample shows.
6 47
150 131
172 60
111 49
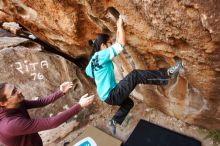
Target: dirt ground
140 111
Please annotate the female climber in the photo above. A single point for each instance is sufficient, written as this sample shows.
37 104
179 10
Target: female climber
101 69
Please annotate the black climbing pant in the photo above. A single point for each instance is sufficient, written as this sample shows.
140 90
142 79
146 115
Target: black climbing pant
120 94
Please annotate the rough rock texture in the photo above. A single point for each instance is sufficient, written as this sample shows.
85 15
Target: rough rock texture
39 73
157 30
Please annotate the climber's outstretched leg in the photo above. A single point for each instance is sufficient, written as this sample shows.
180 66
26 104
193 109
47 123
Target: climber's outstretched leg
120 94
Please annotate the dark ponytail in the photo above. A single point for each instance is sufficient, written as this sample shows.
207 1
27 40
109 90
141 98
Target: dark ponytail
96 44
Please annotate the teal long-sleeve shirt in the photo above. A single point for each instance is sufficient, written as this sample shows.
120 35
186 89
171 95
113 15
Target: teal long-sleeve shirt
101 68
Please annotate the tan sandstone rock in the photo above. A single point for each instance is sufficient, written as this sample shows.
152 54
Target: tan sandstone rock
156 30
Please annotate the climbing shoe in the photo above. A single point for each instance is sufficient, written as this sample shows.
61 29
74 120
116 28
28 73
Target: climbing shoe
173 71
112 126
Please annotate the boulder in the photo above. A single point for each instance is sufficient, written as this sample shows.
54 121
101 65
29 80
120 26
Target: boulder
156 30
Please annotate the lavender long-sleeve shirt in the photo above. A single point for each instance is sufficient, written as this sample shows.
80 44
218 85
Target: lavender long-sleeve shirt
18 129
